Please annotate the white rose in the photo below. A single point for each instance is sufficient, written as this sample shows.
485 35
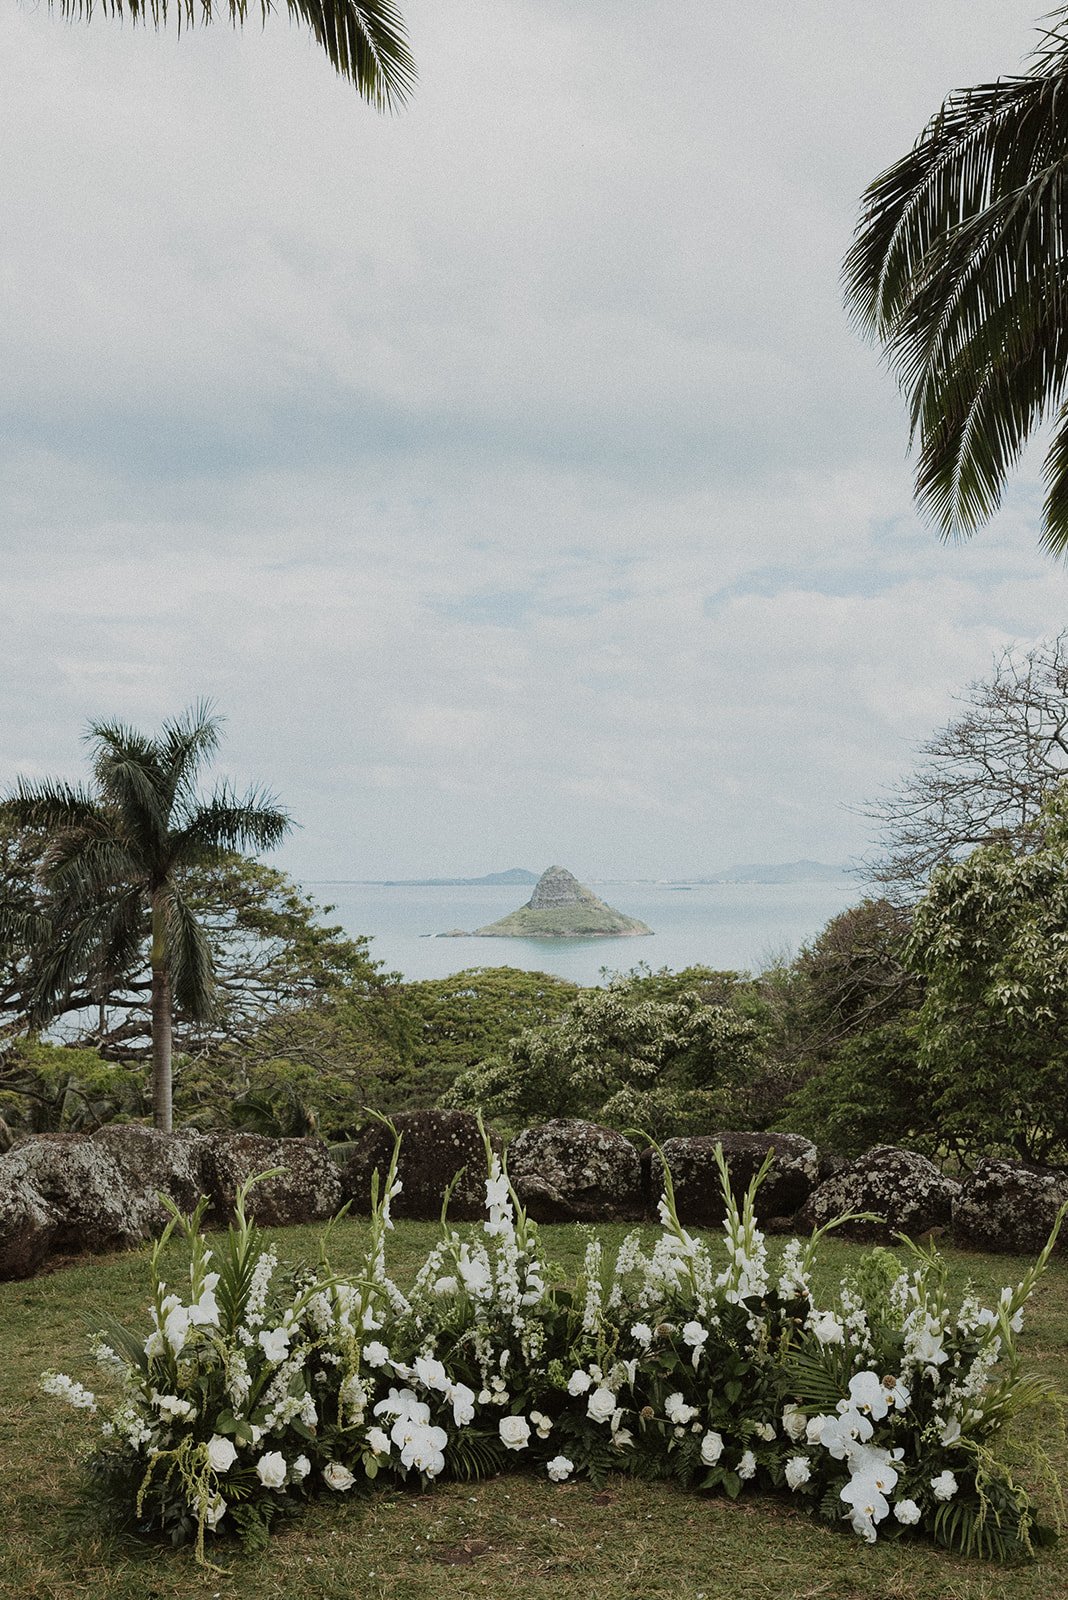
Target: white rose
794 1423
271 1469
335 1476
559 1468
765 1431
711 1448
907 1512
601 1404
798 1471
221 1453
514 1432
579 1382
378 1441
300 1469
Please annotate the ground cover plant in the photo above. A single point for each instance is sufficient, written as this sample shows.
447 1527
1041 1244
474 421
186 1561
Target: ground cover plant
730 1399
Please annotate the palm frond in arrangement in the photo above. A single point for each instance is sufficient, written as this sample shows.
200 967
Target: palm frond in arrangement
960 269
364 40
113 866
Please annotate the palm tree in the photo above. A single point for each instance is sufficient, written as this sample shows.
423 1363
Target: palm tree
113 869
960 269
364 39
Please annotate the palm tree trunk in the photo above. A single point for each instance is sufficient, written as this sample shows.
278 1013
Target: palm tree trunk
161 1025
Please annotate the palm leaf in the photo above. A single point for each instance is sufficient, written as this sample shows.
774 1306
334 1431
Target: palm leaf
363 39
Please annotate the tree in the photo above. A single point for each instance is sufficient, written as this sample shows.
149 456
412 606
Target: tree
363 39
112 870
667 1066
990 939
986 776
960 268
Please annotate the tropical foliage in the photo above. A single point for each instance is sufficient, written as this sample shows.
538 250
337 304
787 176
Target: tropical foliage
257 1387
960 268
111 875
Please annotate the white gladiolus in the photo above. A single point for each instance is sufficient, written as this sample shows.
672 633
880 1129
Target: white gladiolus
275 1345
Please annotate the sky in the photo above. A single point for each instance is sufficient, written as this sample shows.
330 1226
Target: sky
506 470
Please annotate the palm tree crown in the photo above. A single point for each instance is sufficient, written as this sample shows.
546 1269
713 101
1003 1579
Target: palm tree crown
363 39
960 268
114 861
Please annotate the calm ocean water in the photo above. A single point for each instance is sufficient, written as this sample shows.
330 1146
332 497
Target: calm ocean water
740 926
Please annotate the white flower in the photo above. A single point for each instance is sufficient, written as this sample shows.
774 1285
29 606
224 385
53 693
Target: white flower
271 1469
622 1438
214 1511
405 1406
814 1429
446 1285
335 1476
514 1432
204 1312
430 1373
798 1471
221 1453
579 1382
794 1423
642 1334
839 1435
175 1323
944 1486
300 1469
462 1400
375 1354
765 1431
693 1334
876 1396
421 1446
559 1468
543 1424
711 1448
275 1344
827 1328
677 1411
747 1466
60 1387
907 1512
950 1432
378 1441
601 1404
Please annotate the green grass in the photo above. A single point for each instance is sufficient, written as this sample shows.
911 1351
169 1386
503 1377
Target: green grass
510 1537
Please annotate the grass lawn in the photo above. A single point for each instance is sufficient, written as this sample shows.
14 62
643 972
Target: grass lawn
511 1536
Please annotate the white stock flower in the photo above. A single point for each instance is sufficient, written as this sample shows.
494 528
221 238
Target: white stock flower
335 1476
514 1432
798 1471
221 1453
559 1468
907 1512
711 1448
579 1382
601 1404
747 1466
271 1469
944 1486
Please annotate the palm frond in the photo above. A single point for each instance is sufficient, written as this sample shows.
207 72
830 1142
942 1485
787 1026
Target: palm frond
184 744
189 962
364 40
48 807
228 821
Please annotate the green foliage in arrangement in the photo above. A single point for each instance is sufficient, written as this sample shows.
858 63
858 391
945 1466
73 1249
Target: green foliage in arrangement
990 939
260 1386
620 1059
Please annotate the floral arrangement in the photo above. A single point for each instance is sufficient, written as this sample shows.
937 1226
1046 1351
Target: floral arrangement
259 1386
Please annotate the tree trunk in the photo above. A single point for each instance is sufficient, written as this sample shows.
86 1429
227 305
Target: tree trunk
161 1026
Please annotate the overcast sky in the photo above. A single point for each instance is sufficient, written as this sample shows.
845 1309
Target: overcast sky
507 469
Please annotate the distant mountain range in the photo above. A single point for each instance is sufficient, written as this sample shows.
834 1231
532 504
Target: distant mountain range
753 872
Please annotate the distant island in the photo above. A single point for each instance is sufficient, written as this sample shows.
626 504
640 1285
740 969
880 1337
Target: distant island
782 872
516 875
560 908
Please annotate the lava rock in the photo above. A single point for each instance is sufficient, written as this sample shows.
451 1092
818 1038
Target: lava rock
156 1163
1009 1206
574 1171
905 1189
435 1146
28 1225
306 1189
698 1189
84 1189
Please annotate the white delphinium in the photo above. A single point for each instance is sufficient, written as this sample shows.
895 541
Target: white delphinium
105 1357
258 1287
60 1387
238 1381
793 1284
855 1321
591 1267
630 1258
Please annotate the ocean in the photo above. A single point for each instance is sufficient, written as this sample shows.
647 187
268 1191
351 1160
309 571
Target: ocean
735 926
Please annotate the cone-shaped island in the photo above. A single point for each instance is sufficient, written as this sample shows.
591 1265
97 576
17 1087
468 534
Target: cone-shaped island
563 908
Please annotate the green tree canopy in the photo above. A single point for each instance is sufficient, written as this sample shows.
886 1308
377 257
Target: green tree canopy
112 876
